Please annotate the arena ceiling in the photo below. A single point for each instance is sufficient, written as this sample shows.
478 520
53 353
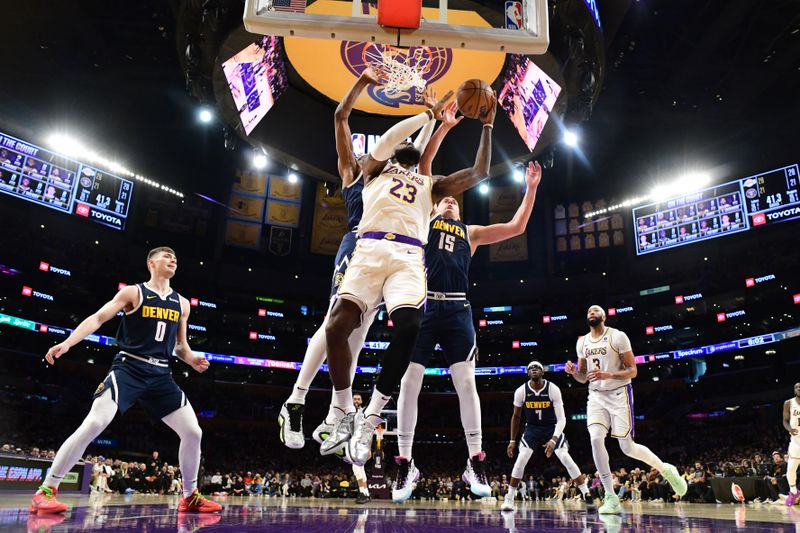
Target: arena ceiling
687 82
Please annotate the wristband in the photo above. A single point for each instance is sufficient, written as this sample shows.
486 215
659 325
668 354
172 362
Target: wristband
487 125
431 116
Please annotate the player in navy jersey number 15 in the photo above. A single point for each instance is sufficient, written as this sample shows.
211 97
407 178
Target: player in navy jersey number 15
153 326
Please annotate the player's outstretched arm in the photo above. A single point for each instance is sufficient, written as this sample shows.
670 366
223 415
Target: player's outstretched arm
127 298
467 178
182 349
480 235
384 149
449 120
348 165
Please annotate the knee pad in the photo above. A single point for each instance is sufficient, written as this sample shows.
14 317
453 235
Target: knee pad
406 320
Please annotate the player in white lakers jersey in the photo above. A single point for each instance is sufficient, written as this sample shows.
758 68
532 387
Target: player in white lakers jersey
605 359
388 263
791 423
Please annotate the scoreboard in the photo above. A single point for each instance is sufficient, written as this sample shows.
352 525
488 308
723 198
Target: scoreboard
52 180
724 209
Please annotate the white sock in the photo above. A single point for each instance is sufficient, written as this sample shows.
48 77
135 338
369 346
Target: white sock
463 375
407 408
343 399
100 416
312 361
184 422
512 491
376 403
791 473
584 487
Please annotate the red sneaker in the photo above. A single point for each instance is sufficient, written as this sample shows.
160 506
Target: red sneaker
44 501
196 503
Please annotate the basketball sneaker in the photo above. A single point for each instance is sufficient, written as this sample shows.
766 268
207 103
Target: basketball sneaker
322 432
340 434
197 503
589 500
475 476
360 445
407 476
508 503
610 504
45 502
362 498
290 421
792 498
44 523
675 479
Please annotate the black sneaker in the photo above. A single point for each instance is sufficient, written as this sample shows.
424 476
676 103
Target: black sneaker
362 498
590 505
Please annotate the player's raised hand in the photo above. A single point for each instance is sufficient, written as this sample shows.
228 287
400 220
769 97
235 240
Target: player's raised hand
55 352
200 363
570 368
450 119
371 76
511 447
439 107
488 118
533 175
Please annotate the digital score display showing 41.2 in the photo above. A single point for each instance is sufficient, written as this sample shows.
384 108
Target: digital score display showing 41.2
723 209
52 180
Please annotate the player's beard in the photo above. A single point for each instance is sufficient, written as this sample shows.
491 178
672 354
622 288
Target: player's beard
594 322
408 156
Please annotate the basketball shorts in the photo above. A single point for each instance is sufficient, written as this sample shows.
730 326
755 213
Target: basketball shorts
794 448
343 257
382 268
613 410
153 387
448 323
535 437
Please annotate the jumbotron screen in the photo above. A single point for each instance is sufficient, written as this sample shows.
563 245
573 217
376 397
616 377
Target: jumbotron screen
724 209
52 180
528 96
256 79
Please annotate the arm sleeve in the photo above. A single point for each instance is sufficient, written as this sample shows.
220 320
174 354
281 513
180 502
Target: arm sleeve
424 136
622 343
384 148
558 407
519 396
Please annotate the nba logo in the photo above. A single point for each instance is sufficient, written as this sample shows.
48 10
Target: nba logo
82 210
759 219
359 144
513 15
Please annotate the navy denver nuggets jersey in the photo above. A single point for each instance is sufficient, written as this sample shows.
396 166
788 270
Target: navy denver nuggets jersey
152 328
447 256
353 203
539 409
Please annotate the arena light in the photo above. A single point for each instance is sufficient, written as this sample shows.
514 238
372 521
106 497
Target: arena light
570 138
292 177
519 176
71 147
484 189
205 115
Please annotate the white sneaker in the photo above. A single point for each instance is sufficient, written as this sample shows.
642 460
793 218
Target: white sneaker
508 503
610 505
407 476
290 421
360 446
341 433
322 432
475 476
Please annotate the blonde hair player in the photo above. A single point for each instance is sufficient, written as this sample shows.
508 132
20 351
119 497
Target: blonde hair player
605 360
544 427
791 423
152 327
388 262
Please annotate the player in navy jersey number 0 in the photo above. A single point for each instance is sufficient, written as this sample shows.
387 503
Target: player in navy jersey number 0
152 327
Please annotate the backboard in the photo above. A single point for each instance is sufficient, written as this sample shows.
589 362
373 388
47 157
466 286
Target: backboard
522 28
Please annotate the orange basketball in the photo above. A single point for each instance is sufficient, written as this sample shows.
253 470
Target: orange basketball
475 98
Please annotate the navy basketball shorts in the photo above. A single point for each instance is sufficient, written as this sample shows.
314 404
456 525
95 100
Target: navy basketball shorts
449 324
153 387
535 437
343 257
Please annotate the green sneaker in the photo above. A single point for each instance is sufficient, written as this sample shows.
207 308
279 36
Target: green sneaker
674 478
610 505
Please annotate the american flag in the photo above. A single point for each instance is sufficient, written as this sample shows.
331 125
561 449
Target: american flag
292 6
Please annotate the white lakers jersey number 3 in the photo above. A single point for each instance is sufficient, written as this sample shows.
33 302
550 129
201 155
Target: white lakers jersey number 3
605 353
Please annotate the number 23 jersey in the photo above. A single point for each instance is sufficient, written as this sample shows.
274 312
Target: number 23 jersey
397 201
604 353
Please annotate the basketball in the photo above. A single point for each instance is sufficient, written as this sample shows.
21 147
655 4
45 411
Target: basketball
475 98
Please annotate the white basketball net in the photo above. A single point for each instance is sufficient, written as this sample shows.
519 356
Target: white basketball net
399 72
